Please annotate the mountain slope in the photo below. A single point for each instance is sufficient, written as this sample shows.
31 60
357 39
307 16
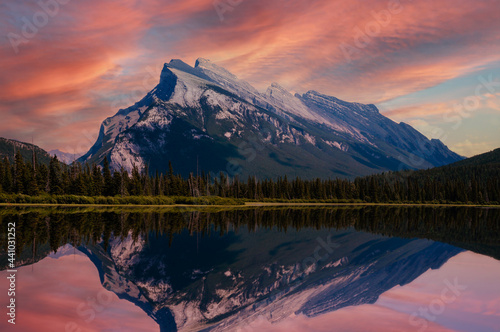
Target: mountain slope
8 146
205 118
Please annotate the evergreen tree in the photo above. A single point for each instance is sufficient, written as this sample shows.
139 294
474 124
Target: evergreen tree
97 181
109 187
19 171
7 176
54 180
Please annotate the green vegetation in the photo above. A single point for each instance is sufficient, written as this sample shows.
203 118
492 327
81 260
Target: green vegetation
116 200
473 181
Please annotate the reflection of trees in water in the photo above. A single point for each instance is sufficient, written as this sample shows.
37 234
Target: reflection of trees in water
476 229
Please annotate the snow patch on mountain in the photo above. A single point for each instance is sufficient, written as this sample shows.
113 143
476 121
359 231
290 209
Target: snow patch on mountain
156 119
188 316
113 126
337 145
156 290
340 262
125 251
127 155
309 138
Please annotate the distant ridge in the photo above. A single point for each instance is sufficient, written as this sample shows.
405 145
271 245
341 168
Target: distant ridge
65 157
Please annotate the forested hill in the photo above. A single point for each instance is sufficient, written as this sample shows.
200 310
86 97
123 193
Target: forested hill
8 148
483 167
488 158
476 179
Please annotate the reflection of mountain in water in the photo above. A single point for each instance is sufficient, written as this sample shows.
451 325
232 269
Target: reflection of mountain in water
126 289
219 281
219 269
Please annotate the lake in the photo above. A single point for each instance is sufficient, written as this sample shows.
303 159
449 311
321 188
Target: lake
363 268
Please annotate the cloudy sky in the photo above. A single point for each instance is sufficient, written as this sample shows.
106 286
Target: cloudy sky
67 65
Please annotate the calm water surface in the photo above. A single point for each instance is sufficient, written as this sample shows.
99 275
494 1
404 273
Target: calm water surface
264 269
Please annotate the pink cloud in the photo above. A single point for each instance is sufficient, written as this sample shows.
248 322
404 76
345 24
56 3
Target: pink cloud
68 283
359 318
477 308
70 74
477 304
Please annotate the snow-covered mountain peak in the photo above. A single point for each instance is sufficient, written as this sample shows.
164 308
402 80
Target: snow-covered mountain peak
208 109
333 103
178 63
226 79
181 84
212 67
277 86
276 90
181 65
313 94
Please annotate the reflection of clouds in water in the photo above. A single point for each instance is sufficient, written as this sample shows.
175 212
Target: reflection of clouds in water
48 298
69 280
356 318
476 309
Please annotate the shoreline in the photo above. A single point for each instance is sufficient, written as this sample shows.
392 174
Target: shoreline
248 205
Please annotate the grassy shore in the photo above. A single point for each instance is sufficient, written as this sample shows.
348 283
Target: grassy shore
180 201
115 200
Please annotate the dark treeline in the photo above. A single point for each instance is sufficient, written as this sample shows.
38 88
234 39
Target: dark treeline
463 184
42 231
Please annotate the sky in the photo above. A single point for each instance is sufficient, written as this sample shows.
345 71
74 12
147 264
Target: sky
66 65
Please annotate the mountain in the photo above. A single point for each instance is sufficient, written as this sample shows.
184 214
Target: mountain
9 146
205 118
65 157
